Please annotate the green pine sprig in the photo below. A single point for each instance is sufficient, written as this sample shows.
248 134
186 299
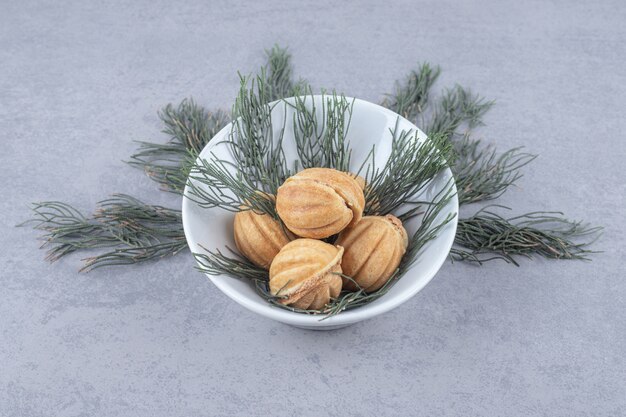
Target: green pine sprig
322 144
455 108
488 235
278 72
129 229
236 266
258 156
411 165
483 174
189 128
411 97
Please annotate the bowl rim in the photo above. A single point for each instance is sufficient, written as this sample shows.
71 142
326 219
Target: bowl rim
347 317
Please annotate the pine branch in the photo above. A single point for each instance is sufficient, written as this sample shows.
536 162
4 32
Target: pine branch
481 174
487 235
134 231
326 145
215 183
412 96
217 263
408 170
189 127
257 155
259 165
134 255
279 75
457 107
67 229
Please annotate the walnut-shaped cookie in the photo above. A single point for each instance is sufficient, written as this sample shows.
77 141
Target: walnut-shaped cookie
304 274
259 237
319 202
373 249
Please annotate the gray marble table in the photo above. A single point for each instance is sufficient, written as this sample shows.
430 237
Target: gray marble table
79 81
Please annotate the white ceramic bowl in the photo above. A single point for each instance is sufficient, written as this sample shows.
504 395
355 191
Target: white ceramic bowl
370 124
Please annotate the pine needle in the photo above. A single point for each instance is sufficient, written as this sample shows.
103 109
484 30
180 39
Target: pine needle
279 75
322 145
412 96
189 127
481 174
257 156
487 235
134 231
410 167
236 266
456 108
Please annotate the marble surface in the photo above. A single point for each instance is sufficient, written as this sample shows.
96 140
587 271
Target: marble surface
79 81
